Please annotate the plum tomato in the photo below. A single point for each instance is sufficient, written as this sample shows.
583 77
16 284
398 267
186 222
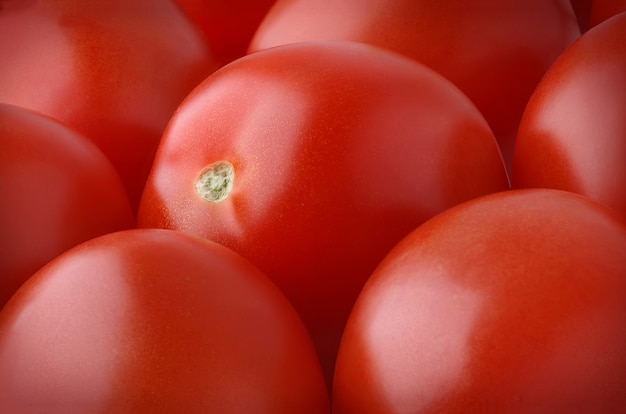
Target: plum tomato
573 132
514 302
113 70
312 160
495 51
57 190
155 321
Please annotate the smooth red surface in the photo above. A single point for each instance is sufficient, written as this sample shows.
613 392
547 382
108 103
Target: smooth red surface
155 321
114 70
515 302
495 51
339 150
227 24
601 10
56 190
573 133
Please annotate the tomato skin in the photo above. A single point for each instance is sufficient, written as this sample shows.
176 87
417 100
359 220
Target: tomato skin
495 51
602 10
572 134
113 71
227 24
338 149
155 321
514 302
57 190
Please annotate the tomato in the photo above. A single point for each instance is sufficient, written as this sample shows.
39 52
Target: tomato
155 321
57 190
495 51
601 10
114 71
514 302
312 160
227 24
572 135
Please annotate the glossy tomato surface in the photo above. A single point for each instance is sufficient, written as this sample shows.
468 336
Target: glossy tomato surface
114 71
227 24
312 160
495 51
57 190
573 133
155 321
514 302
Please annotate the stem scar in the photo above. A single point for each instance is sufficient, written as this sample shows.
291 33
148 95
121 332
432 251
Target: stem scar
215 182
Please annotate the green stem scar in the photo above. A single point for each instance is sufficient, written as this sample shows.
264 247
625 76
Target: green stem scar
215 182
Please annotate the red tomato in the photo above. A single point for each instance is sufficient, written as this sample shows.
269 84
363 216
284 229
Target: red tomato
227 24
56 190
572 135
312 160
514 302
155 321
114 71
601 10
495 51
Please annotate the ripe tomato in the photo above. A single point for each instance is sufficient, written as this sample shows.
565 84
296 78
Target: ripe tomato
572 135
312 160
514 302
56 190
227 24
155 321
601 10
495 51
114 71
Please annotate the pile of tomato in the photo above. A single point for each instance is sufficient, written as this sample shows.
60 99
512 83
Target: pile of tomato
294 206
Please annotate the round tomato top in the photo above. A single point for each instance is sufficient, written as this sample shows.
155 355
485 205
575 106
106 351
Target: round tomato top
495 51
572 135
155 321
57 190
114 71
513 302
312 160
